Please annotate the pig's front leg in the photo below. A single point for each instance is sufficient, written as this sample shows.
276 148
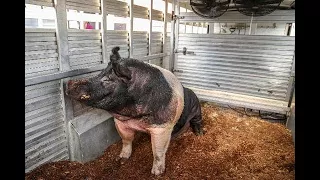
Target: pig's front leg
127 136
160 139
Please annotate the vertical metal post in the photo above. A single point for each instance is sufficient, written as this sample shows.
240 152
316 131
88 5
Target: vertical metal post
103 31
174 33
185 24
250 24
164 36
131 29
176 36
62 34
202 28
172 37
150 28
81 22
291 83
192 27
64 63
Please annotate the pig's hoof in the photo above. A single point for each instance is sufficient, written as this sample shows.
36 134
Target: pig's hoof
157 170
200 132
122 160
125 154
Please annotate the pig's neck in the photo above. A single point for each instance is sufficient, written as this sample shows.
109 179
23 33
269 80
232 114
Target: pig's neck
133 111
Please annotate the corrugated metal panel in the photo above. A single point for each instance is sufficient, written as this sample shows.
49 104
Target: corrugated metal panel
118 38
140 12
118 8
156 44
45 137
156 47
157 15
140 43
48 3
278 16
85 48
166 49
92 6
253 65
41 55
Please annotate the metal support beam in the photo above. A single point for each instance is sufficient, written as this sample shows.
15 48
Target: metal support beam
131 29
290 88
105 59
176 32
172 37
164 34
150 28
61 75
62 34
64 62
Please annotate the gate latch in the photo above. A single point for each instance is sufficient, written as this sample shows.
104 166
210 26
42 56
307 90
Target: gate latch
184 51
175 17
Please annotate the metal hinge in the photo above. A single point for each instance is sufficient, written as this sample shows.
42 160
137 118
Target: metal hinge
177 70
184 51
175 17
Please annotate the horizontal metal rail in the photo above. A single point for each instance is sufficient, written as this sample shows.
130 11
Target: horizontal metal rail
76 72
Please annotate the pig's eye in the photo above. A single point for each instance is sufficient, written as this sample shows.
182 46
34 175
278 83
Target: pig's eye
105 79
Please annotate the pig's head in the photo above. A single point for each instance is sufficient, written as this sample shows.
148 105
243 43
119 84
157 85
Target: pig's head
108 90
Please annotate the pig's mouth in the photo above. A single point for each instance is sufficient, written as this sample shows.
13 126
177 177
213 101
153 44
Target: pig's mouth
84 97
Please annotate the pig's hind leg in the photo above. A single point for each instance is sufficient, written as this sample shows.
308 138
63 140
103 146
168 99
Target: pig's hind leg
196 121
127 136
196 125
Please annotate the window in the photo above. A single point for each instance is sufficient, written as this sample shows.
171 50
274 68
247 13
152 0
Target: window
157 26
159 5
120 26
48 23
31 22
117 23
74 24
39 16
140 24
144 3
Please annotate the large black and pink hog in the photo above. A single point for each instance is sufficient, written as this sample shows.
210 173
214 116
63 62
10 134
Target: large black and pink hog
141 97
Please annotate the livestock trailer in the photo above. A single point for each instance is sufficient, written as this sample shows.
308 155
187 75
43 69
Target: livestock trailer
234 60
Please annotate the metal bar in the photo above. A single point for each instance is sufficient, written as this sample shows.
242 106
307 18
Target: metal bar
176 34
62 34
164 36
61 75
172 37
290 88
131 29
250 24
153 56
150 28
64 61
76 72
105 59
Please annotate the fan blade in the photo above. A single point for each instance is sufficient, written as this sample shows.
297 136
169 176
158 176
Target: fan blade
223 3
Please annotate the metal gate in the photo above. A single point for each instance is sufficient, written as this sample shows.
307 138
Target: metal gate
252 71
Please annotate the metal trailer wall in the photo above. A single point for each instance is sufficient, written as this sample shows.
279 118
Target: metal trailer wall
252 71
53 56
45 136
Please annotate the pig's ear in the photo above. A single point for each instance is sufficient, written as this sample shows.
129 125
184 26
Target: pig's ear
121 71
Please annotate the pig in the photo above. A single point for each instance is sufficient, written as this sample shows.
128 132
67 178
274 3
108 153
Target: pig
141 97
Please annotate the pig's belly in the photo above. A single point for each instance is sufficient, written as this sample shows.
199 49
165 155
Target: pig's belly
133 124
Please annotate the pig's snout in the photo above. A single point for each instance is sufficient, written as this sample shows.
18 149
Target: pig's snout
78 89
